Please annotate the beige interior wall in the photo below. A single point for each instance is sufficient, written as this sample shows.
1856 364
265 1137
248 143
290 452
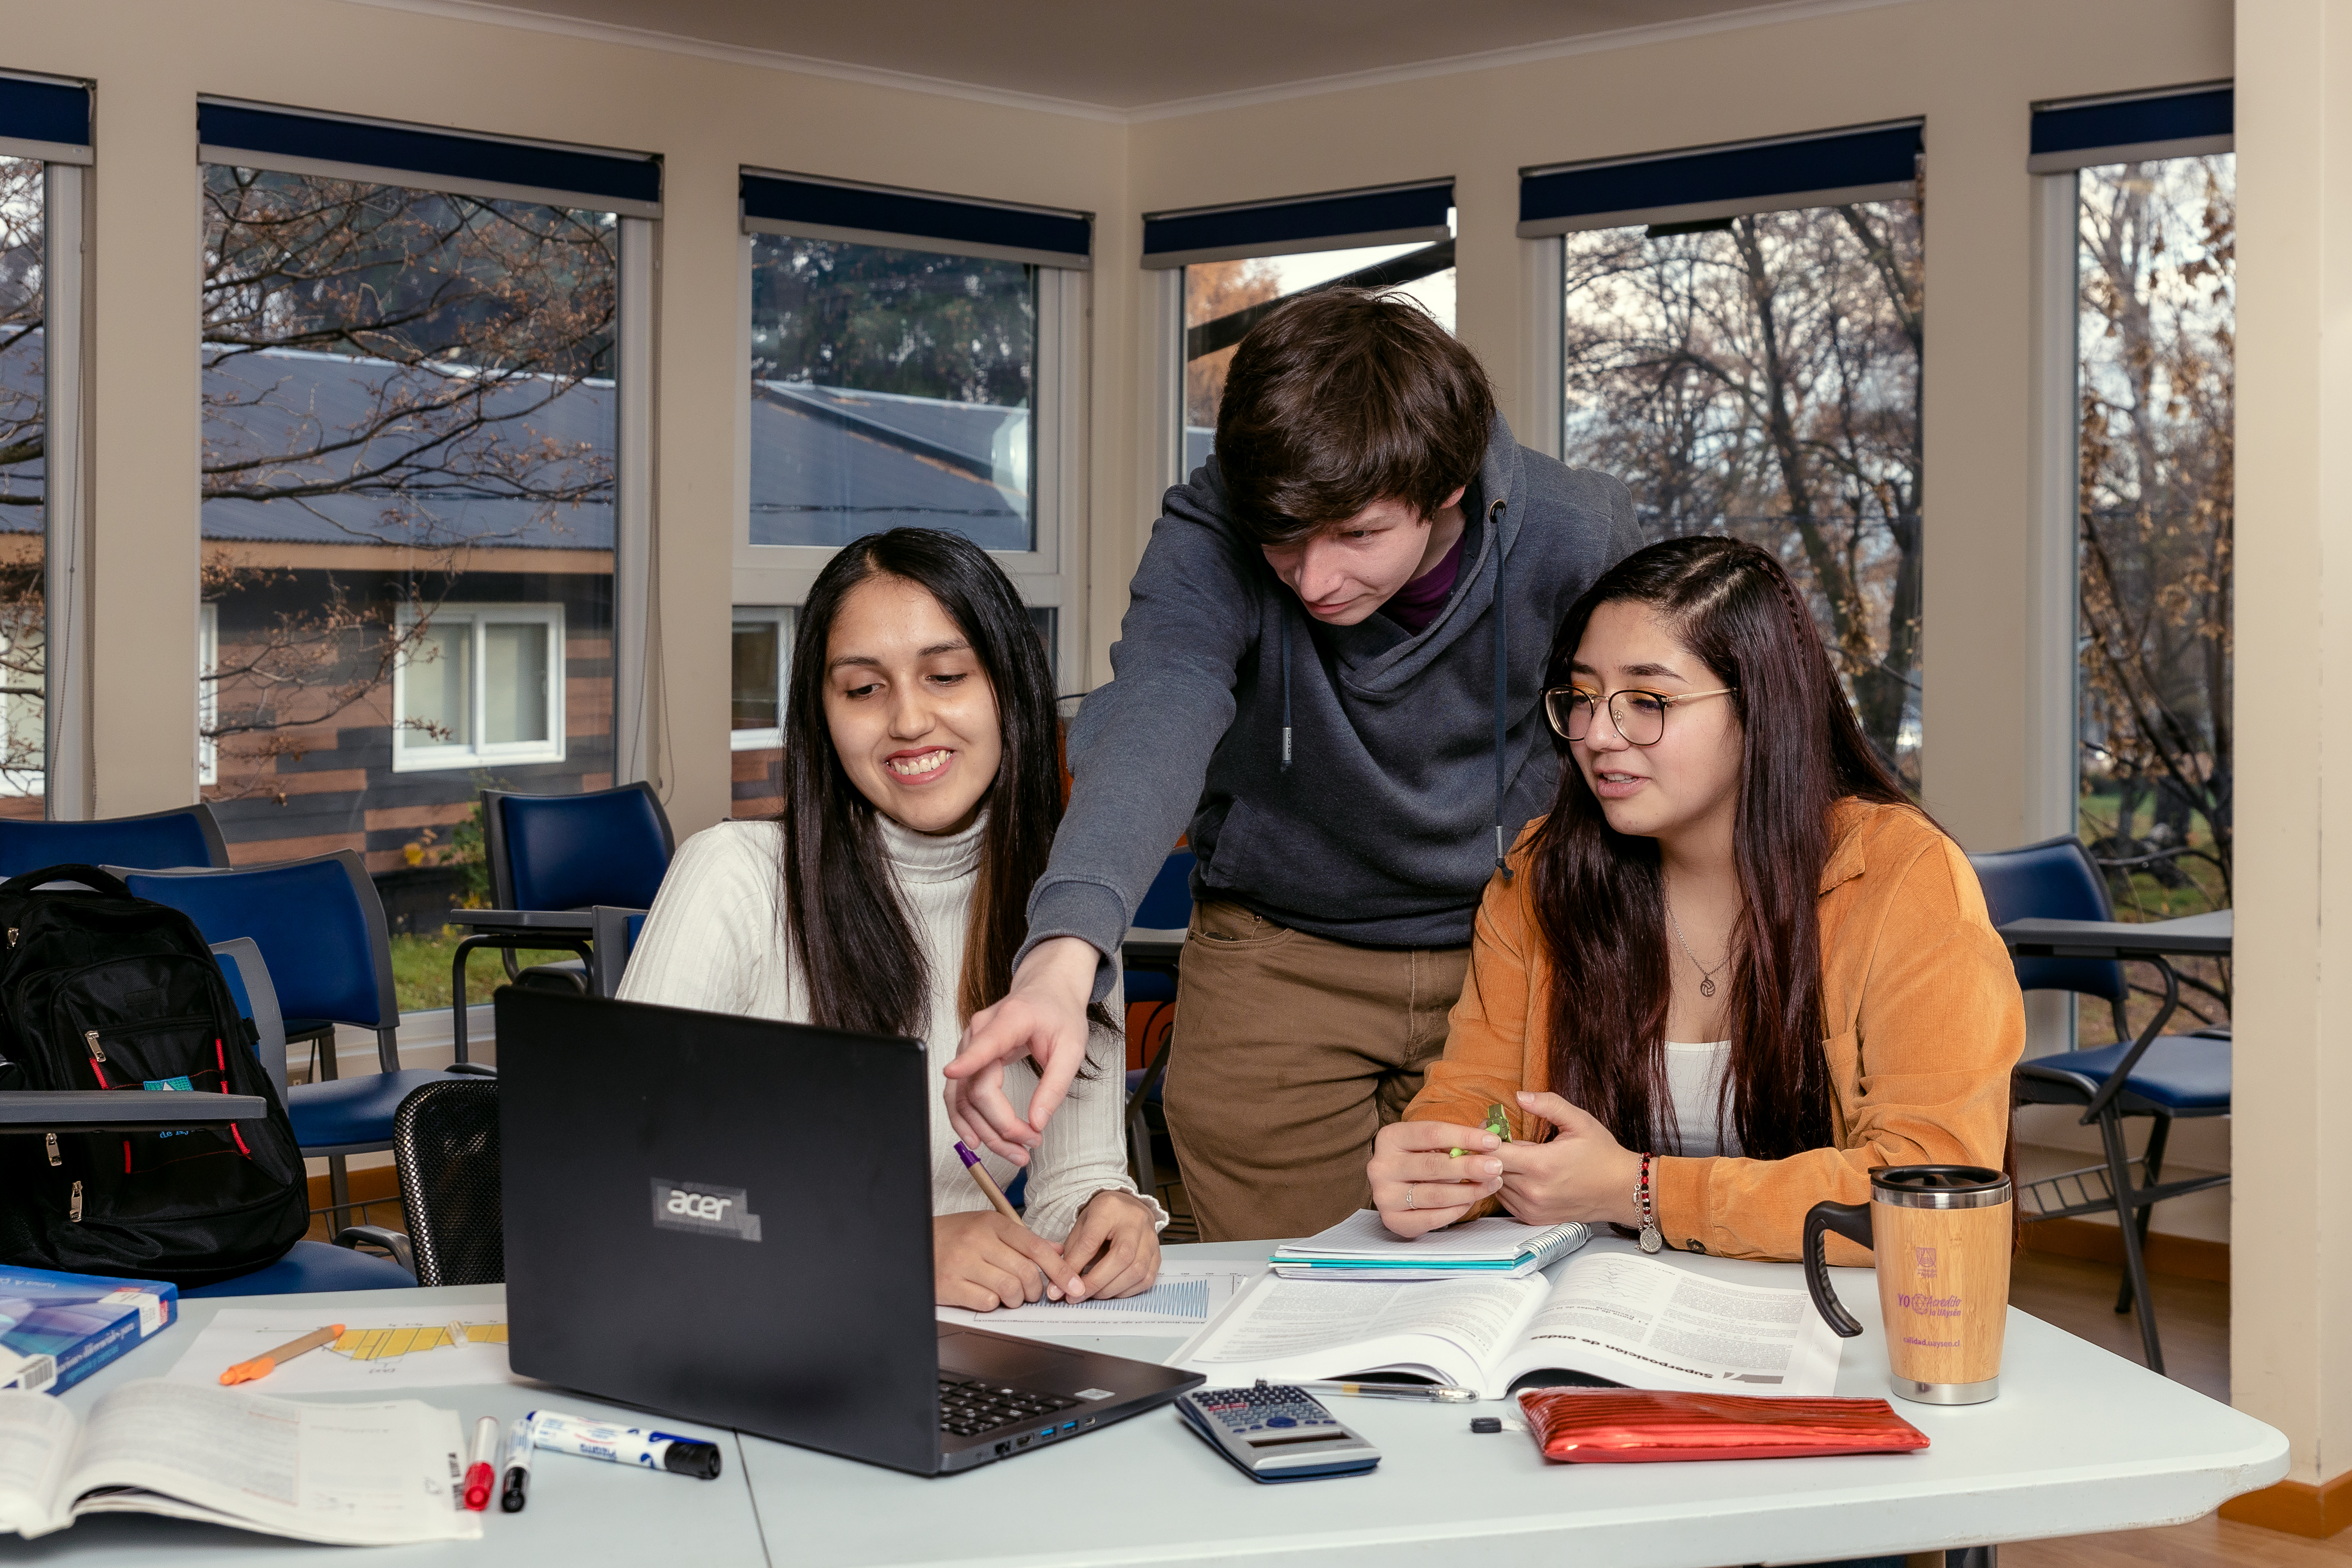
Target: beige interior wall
2291 1329
706 117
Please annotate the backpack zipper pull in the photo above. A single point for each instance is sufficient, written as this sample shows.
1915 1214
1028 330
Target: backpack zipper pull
96 1054
74 1213
54 1159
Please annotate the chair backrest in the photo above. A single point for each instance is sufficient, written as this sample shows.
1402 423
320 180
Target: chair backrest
2054 880
575 852
185 836
445 1146
1168 903
318 922
247 975
612 937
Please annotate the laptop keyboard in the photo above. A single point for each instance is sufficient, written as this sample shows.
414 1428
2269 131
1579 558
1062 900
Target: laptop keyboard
968 1407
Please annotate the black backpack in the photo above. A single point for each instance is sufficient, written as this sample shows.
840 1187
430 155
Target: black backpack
100 989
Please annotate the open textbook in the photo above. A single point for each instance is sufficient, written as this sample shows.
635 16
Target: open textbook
349 1475
1612 1314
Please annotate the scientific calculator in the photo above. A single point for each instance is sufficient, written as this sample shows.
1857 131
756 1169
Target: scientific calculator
1275 1433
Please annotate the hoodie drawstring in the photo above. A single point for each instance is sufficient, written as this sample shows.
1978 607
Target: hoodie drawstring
1285 610
1502 687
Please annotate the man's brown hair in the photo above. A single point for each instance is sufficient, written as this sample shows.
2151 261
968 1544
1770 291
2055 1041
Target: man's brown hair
1341 397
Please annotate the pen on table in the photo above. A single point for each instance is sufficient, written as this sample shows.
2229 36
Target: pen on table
1438 1392
517 1477
262 1365
996 1197
486 1453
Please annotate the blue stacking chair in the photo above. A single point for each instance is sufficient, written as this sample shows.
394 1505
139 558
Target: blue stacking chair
2153 1074
185 836
575 852
1167 906
321 929
311 1265
553 858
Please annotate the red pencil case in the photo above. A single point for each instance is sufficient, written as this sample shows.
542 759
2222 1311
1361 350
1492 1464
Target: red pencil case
1633 1425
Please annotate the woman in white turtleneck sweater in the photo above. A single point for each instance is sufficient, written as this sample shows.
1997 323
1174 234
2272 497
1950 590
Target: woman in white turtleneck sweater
922 783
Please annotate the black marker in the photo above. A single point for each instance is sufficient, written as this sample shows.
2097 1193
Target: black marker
517 1467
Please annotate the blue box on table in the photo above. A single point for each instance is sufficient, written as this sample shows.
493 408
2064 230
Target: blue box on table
56 1329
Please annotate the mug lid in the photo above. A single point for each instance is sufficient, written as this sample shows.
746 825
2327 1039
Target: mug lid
1938 1187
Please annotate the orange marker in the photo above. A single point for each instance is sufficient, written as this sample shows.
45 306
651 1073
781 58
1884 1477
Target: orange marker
263 1365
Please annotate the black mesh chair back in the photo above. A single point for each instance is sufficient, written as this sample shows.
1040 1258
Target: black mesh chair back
445 1142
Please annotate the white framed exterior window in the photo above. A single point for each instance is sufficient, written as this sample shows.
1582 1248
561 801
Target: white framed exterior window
1028 474
479 683
762 661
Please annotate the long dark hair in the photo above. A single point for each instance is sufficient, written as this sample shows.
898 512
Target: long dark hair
858 953
1599 897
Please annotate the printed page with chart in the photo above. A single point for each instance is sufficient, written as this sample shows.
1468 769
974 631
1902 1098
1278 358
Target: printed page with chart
351 1475
1607 1313
380 1349
1185 1298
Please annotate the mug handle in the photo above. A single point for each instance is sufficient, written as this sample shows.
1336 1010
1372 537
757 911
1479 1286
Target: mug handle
1850 1220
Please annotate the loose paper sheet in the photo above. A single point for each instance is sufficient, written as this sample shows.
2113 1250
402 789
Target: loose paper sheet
384 1350
1183 1300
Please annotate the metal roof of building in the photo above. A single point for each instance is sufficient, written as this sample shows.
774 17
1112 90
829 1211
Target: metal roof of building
828 465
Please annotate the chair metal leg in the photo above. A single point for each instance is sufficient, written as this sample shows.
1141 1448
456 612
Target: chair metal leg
2152 1164
1972 1557
339 1188
2127 1212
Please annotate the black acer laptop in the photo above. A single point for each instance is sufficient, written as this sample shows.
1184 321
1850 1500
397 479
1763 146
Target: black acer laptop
729 1221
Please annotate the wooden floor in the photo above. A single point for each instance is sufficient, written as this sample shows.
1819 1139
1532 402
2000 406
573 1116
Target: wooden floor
2080 1298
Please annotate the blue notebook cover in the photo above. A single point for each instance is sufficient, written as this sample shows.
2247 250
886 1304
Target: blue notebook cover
58 1328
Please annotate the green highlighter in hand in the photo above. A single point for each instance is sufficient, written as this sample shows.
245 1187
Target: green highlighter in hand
1497 1122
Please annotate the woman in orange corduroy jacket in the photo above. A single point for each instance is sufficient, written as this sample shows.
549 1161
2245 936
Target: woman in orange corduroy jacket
1734 968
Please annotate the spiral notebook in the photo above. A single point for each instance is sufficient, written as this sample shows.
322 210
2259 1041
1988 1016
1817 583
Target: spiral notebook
1360 1248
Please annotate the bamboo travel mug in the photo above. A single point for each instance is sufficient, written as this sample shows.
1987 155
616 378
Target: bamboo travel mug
1942 1238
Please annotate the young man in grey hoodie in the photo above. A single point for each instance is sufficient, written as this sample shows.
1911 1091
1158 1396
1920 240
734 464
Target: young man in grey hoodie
1327 680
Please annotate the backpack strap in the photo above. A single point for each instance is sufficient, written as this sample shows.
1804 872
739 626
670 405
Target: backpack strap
89 876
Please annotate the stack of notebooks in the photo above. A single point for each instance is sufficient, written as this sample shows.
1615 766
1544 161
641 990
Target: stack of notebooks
1360 1248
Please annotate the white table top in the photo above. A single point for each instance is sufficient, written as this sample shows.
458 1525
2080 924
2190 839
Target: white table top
2080 1440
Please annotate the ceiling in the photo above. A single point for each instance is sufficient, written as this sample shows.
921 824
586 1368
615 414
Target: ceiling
1125 54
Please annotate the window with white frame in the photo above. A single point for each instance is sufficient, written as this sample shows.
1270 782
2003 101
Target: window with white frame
478 685
471 314
763 658
43 141
1238 264
2139 212
906 357
1742 333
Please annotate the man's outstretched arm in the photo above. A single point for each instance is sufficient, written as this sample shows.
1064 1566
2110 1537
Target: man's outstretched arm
1138 753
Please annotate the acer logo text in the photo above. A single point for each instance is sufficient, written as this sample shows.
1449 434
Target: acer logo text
704 1209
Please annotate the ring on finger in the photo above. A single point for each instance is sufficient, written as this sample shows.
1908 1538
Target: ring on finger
1408 1195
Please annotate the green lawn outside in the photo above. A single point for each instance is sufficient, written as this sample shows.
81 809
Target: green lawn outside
2148 899
420 969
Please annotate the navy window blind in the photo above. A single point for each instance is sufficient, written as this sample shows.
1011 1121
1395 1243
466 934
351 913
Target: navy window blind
43 118
1877 163
2182 123
913 220
252 136
1344 220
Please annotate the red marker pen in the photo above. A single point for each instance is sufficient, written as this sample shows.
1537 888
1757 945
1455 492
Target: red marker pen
479 1476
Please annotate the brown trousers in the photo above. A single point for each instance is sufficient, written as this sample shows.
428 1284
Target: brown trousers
1291 1051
